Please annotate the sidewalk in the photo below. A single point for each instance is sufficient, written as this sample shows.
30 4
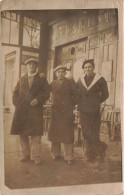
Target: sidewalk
20 175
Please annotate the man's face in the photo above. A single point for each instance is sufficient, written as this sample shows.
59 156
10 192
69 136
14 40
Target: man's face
31 67
88 69
60 74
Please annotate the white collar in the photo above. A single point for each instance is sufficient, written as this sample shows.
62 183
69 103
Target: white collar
31 75
96 78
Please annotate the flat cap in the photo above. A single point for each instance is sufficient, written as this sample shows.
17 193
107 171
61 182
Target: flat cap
60 67
31 60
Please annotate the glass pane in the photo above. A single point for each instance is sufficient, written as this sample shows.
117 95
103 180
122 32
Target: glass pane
32 23
27 21
5 30
14 36
3 14
26 36
36 39
31 37
8 15
13 16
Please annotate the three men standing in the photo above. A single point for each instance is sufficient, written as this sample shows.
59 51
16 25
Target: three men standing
31 93
94 91
29 96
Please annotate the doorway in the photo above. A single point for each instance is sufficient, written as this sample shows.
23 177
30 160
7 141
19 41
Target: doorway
72 55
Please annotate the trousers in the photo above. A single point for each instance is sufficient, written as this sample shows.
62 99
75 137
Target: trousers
68 150
30 146
90 123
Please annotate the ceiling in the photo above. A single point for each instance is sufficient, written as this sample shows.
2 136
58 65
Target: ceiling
52 15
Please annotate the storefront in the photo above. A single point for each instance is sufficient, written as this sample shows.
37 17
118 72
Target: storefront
62 37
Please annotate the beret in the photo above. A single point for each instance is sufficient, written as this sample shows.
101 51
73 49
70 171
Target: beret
60 67
31 60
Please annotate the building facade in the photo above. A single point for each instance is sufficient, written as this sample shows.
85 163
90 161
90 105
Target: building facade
66 37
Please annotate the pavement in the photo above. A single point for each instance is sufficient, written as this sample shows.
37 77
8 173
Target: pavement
50 173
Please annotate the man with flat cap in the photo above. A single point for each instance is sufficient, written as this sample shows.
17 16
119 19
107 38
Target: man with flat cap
29 95
93 91
65 96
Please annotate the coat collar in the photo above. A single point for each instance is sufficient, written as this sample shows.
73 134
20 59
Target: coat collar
26 85
31 75
96 78
59 86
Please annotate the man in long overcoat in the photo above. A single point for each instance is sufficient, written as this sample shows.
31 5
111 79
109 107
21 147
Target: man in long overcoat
29 95
94 91
65 96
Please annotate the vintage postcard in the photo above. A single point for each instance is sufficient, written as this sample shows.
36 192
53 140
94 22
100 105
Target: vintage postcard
61 108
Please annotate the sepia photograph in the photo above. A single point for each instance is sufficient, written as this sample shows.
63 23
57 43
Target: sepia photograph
61 97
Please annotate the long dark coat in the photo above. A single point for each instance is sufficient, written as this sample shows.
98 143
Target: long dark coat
65 96
28 120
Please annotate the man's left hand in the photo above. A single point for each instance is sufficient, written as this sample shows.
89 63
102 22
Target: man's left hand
34 102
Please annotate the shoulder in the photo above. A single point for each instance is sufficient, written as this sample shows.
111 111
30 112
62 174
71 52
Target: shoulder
54 82
23 77
102 80
69 82
42 77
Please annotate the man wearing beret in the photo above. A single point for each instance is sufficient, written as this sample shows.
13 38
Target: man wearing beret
65 96
94 91
29 95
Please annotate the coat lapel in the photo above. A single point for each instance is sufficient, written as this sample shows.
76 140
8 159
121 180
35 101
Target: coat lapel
96 78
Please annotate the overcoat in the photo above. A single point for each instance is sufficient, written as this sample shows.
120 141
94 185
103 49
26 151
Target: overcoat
65 97
28 120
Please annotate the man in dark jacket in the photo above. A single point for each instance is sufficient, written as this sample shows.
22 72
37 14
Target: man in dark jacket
65 95
29 96
94 91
